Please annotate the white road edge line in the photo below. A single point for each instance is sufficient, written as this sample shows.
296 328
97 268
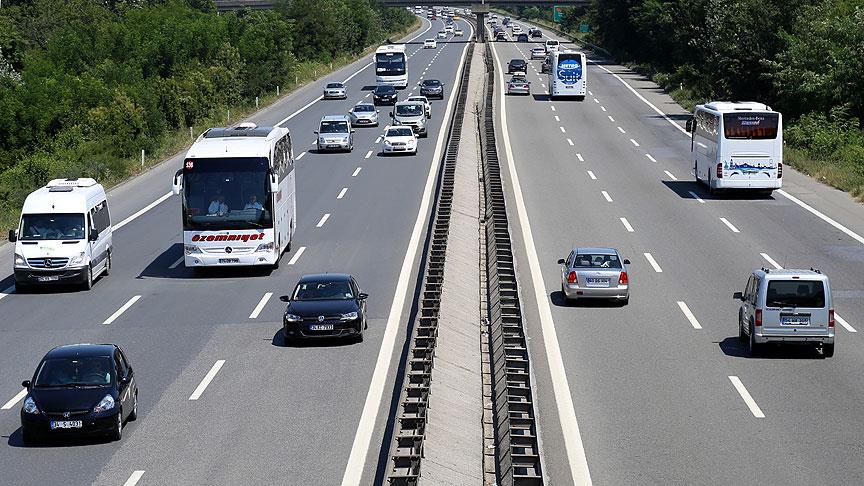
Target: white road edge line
323 220
260 306
563 400
356 171
729 225
122 309
17 398
207 379
696 197
297 255
771 261
627 225
362 438
177 263
342 193
653 262
134 478
142 211
745 395
606 195
689 315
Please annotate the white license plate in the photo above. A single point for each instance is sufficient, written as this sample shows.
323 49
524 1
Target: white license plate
320 327
795 321
229 260
66 424
50 278
597 282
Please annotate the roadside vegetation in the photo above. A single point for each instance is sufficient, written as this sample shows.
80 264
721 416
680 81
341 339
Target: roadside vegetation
805 58
86 85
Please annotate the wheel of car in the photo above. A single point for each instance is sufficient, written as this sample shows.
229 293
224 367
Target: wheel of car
828 350
107 270
117 433
88 282
134 414
753 346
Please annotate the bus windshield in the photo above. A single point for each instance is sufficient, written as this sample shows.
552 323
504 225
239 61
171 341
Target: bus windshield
229 193
751 126
390 64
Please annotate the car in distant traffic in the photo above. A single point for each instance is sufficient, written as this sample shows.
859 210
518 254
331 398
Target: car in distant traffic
546 67
335 133
786 306
442 34
517 65
430 44
79 389
505 20
521 37
458 32
335 91
364 114
411 114
399 139
448 29
551 45
384 95
501 36
325 305
538 53
595 273
426 104
535 32
432 88
519 84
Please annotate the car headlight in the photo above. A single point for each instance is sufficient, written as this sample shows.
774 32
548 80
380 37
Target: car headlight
105 404
190 249
30 406
349 316
387 142
266 246
292 318
78 260
20 261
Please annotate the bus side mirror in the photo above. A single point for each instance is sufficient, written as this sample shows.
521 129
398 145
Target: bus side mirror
690 125
177 183
13 236
274 184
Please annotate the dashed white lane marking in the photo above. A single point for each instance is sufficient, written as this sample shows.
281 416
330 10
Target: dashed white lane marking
610 118
552 106
562 130
626 225
6 292
17 398
606 196
378 140
653 262
596 101
122 309
602 107
696 197
590 93
621 130
134 478
368 154
342 193
260 306
356 171
207 379
745 395
142 211
579 156
297 255
771 261
634 142
177 263
822 216
542 84
729 225
689 315
570 142
323 220
592 176
557 119
844 323
652 159
670 175
301 155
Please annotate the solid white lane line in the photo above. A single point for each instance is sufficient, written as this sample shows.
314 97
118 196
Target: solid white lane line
368 154
378 140
621 130
670 175
6 292
626 225
562 130
260 306
134 478
572 437
557 119
297 255
553 107
729 225
634 142
177 263
592 176
207 379
342 193
770 260
570 142
579 156
689 315
602 107
653 262
17 398
356 171
822 216
142 211
301 155
745 395
844 323
652 159
610 118
323 220
696 197
121 310
366 426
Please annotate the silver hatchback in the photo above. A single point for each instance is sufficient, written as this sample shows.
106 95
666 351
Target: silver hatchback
595 273
335 91
364 114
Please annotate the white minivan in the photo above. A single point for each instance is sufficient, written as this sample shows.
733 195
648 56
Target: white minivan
64 235
551 45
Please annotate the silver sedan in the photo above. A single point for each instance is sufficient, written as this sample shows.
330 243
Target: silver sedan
364 114
595 273
335 91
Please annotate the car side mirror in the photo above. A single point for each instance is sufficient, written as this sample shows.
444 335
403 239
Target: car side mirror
13 236
560 261
26 384
94 234
626 262
363 296
391 114
738 296
690 125
352 130
377 111
284 298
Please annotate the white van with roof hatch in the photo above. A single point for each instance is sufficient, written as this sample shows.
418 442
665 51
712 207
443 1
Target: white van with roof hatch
64 235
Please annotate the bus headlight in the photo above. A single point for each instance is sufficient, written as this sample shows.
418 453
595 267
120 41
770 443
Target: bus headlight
190 249
20 261
266 247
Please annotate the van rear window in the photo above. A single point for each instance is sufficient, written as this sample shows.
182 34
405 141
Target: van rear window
795 293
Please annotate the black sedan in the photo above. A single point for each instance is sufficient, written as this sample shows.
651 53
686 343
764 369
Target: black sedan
384 94
517 65
431 88
522 37
325 305
79 389
535 33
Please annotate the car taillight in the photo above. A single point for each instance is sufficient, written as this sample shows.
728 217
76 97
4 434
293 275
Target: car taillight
622 280
779 170
720 171
571 278
758 321
830 317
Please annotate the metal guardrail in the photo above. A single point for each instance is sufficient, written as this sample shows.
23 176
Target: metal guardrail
515 428
406 450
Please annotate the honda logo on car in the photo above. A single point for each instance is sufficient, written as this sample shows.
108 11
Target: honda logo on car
229 237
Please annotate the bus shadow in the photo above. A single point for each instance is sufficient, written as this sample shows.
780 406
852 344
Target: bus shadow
684 189
541 96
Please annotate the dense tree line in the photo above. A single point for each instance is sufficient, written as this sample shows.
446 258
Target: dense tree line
86 84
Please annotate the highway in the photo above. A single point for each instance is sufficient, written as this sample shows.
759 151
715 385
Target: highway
222 399
662 391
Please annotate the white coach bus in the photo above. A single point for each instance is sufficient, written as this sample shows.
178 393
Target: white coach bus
391 65
237 187
737 145
568 74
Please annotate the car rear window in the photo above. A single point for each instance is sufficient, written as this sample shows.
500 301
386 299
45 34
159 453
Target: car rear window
795 293
595 260
334 85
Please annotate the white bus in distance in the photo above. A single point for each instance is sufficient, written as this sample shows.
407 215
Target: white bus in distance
568 74
237 187
391 66
737 145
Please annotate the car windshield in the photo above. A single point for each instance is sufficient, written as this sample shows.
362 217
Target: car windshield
334 85
77 371
399 132
363 108
795 293
323 290
596 260
430 41
409 110
517 62
431 82
333 127
52 227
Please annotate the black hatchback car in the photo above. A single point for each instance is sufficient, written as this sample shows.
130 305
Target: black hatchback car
432 88
517 65
325 305
522 37
79 389
384 95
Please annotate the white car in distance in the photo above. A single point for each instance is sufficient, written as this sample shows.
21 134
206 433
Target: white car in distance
430 44
399 140
425 101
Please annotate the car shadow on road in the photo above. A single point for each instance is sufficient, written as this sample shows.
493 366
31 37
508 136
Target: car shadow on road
280 342
683 189
558 300
733 347
15 439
